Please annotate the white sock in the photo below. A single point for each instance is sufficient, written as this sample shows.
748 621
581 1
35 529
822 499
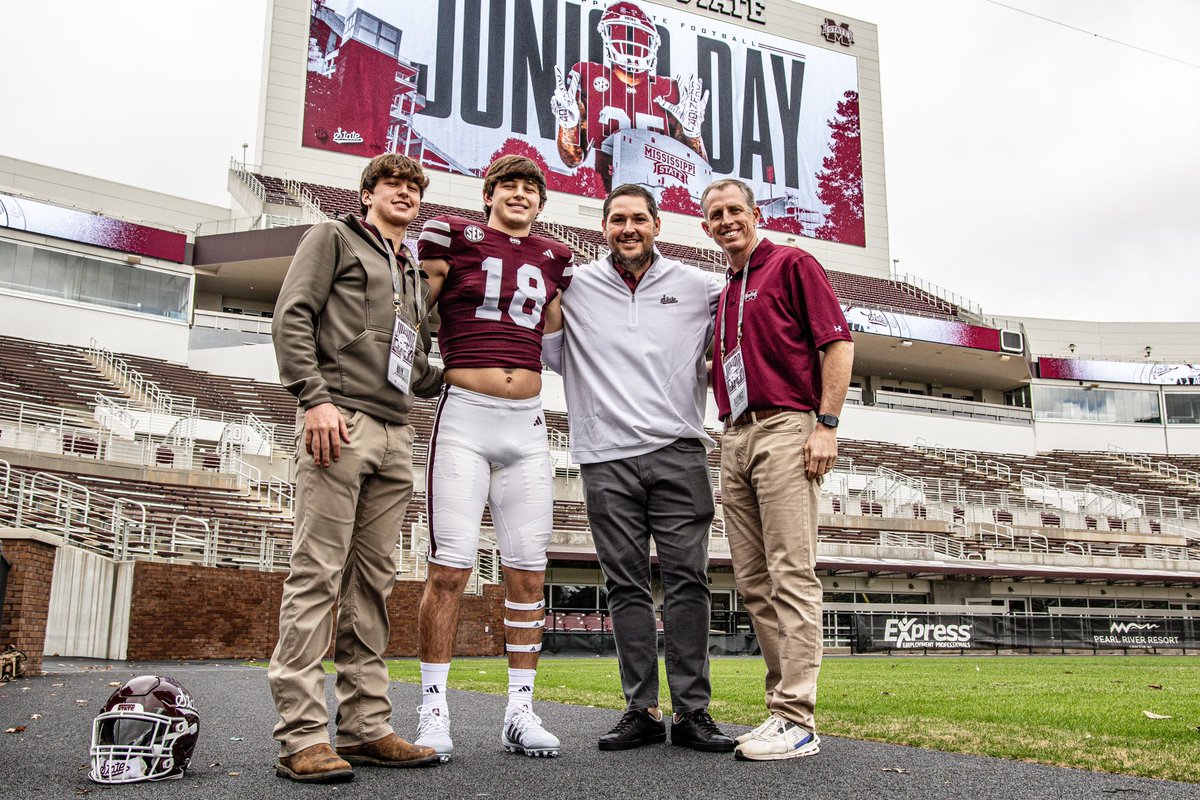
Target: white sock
520 689
433 686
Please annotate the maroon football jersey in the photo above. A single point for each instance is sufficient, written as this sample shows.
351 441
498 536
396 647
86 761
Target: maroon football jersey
612 105
491 303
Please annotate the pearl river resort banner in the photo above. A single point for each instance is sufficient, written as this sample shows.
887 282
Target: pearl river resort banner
916 631
599 93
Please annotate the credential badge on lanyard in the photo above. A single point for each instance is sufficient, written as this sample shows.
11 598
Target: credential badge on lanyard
404 335
732 365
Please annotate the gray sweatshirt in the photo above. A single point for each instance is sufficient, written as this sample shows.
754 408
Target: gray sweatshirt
633 363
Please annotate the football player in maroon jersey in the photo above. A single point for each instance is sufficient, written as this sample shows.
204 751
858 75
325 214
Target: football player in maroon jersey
626 94
492 283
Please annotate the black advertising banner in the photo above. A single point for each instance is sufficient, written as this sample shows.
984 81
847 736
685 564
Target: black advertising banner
875 632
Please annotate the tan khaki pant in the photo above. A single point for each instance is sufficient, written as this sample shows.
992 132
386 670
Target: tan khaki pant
770 511
348 518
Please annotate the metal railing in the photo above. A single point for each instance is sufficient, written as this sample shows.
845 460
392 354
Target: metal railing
279 493
939 543
953 408
249 179
121 528
590 251
1163 468
945 295
310 208
137 386
224 321
213 227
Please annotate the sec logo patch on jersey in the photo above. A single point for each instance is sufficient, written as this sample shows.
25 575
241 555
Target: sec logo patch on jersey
600 84
473 233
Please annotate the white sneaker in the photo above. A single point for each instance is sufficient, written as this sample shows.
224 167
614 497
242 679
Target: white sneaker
777 739
762 726
433 730
523 733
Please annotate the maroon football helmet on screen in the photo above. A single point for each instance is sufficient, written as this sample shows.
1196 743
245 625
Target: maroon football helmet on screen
146 732
630 38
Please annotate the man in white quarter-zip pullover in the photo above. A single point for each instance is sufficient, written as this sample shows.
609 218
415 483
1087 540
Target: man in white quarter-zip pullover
635 331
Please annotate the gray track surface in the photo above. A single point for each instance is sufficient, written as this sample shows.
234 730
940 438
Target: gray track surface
236 755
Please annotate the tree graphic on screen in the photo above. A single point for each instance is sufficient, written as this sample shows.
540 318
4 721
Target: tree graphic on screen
585 180
677 199
840 180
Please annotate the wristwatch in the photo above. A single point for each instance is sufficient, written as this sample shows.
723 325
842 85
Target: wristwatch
828 420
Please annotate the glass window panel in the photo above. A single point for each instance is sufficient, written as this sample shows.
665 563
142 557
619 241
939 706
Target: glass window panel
23 266
80 278
8 262
40 268
581 598
1182 409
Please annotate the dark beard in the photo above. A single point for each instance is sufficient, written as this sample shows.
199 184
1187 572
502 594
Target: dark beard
632 265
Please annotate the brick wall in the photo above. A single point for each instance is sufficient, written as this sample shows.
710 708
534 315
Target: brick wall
181 611
27 598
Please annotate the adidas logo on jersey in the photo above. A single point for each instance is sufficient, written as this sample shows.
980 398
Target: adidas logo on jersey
668 300
537 421
548 253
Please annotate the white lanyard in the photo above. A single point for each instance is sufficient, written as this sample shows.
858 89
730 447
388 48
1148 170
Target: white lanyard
741 310
733 366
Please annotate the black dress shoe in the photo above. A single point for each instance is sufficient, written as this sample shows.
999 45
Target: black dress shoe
697 730
636 729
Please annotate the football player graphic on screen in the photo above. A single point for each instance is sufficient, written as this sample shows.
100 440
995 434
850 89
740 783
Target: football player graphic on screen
596 102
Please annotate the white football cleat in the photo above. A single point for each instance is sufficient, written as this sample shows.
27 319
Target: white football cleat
433 730
523 733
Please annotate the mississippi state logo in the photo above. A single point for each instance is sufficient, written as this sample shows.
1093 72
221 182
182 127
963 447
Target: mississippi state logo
514 240
600 84
473 233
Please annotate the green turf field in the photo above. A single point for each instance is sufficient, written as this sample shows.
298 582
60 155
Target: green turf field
1077 711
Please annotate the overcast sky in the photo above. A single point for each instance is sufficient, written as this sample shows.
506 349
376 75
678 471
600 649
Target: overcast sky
1037 169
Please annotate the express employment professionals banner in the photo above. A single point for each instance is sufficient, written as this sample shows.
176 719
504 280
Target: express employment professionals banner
601 92
968 632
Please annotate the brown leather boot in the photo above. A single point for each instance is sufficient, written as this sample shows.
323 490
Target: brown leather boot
390 751
316 764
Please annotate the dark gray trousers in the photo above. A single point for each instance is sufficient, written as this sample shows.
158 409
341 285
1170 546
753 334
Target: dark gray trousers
666 495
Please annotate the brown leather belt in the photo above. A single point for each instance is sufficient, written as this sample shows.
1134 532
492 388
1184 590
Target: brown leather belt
754 416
